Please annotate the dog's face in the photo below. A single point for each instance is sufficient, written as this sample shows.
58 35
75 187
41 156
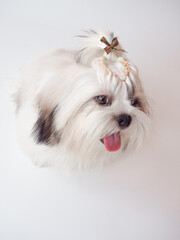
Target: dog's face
97 113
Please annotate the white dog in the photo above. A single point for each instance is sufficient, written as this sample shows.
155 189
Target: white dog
83 108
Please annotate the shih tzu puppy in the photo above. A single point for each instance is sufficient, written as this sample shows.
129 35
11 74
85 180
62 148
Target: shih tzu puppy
80 109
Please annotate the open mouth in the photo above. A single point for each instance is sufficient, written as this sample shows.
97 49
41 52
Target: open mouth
112 142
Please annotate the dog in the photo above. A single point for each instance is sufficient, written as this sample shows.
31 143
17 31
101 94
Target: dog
81 109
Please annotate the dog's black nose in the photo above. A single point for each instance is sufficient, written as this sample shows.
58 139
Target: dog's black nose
124 120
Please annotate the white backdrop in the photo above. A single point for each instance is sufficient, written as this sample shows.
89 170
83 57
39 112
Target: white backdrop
139 196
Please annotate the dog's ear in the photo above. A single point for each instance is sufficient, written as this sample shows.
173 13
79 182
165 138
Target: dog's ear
44 130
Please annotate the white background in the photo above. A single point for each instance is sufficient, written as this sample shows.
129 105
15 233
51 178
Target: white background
139 196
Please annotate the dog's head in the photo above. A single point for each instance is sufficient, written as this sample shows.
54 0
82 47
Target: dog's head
98 107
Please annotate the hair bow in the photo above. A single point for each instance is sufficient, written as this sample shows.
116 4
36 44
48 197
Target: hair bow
111 46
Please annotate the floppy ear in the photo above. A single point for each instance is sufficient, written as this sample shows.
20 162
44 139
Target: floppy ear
44 130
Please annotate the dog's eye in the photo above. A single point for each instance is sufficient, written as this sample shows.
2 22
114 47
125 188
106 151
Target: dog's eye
102 100
135 102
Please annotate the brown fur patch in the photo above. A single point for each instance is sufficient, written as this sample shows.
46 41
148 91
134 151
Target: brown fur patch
44 129
143 105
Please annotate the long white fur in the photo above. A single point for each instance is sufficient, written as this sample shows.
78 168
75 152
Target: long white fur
69 80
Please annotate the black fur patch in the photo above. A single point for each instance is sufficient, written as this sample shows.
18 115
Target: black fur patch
44 129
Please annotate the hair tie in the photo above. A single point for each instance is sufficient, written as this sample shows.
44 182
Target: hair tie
111 46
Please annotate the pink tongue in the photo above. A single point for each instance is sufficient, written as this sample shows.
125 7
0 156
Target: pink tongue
113 142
